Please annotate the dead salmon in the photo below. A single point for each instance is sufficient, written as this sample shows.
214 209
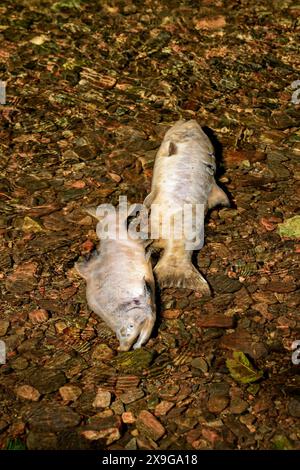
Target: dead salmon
183 176
120 287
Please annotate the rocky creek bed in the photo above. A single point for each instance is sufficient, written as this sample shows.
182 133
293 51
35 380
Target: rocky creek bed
91 89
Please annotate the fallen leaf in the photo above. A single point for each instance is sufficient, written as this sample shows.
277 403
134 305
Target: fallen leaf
270 223
39 40
30 225
241 369
290 228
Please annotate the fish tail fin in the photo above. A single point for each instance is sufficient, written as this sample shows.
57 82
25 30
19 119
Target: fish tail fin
173 273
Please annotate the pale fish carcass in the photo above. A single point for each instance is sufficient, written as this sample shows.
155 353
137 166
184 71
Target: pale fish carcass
120 286
183 177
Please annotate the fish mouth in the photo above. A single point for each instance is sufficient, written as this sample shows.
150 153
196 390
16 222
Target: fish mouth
142 334
124 347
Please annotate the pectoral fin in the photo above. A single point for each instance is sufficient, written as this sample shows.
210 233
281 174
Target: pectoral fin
82 268
91 211
217 197
150 198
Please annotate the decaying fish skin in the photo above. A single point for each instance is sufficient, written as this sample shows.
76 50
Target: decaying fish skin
183 174
120 289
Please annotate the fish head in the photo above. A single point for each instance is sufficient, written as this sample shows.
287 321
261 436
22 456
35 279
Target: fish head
137 327
137 322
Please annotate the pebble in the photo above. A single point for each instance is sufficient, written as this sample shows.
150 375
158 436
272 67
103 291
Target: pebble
215 321
60 326
223 284
281 286
41 440
38 316
4 325
131 445
128 417
241 340
218 397
3 425
47 416
146 443
20 363
118 407
294 407
171 314
111 435
102 399
23 279
47 380
213 22
200 444
70 393
131 396
28 393
238 406
163 408
107 428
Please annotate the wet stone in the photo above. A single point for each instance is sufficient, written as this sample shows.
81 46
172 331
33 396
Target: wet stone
215 321
128 417
218 397
281 287
70 393
4 325
125 382
5 259
102 399
103 428
28 393
51 417
294 407
20 363
170 314
71 439
241 340
137 406
72 194
131 396
41 440
149 426
133 361
163 408
47 380
23 278
223 284
27 345
131 445
13 341
168 391
3 425
101 352
238 406
118 407
38 316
